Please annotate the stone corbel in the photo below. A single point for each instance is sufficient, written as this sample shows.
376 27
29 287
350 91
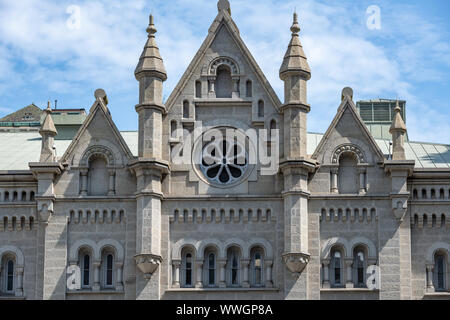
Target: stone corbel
295 261
148 264
45 210
399 207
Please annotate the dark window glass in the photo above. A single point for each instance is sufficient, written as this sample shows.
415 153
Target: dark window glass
10 275
86 263
109 270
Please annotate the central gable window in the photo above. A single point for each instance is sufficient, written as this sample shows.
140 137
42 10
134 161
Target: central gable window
223 82
98 176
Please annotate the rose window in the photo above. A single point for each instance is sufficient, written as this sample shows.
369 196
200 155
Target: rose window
223 162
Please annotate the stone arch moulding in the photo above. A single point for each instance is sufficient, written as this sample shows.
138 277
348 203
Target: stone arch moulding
73 253
372 251
203 244
216 63
16 252
179 245
263 243
234 242
436 246
348 148
113 244
98 150
336 241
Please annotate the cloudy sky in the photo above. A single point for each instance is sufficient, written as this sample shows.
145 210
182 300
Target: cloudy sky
65 50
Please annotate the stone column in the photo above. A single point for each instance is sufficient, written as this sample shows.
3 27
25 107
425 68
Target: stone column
176 264
96 265
268 282
326 274
199 280
349 270
119 279
112 182
212 89
84 182
334 180
430 287
19 282
222 265
245 269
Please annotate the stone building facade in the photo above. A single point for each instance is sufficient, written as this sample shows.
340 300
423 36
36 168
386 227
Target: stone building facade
117 215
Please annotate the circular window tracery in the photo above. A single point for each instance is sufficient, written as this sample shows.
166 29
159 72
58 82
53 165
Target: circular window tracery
221 157
223 161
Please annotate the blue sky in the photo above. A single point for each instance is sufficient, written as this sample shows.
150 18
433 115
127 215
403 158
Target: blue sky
42 59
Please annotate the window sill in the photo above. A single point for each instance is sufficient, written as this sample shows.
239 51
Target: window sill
362 290
437 294
95 292
11 297
217 289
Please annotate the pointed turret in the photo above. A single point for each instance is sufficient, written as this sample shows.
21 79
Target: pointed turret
295 62
295 73
151 74
398 130
150 62
48 133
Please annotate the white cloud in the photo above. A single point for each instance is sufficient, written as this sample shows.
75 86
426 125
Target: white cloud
40 55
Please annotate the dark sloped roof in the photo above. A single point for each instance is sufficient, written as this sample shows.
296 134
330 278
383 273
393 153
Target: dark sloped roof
31 113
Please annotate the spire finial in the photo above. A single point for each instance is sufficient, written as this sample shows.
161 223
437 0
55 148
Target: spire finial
397 107
224 5
295 27
151 30
49 109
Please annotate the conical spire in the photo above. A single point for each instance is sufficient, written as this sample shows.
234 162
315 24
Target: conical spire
48 125
150 61
295 59
397 124
398 130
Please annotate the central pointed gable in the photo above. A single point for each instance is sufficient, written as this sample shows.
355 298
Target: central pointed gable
99 120
348 116
223 26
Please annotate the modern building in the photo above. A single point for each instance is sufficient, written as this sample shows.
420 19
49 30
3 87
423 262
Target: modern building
203 203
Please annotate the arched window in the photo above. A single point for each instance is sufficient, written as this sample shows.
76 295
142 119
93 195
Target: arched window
186 109
336 268
108 269
424 193
348 174
173 129
415 195
440 271
441 194
210 268
187 269
85 265
8 274
198 89
233 263
359 267
249 89
98 176
260 109
257 267
223 82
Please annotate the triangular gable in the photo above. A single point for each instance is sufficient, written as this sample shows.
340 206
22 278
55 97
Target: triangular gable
223 18
348 104
98 106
